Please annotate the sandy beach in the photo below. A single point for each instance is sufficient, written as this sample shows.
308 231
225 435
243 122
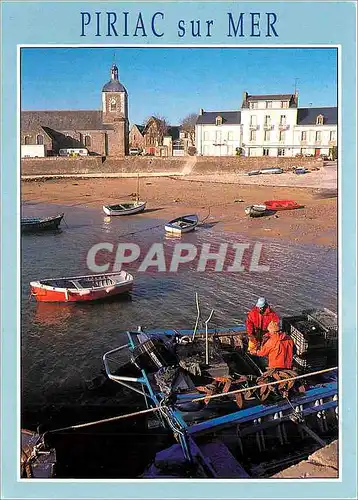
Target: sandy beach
225 196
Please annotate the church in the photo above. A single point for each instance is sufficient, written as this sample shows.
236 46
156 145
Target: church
103 133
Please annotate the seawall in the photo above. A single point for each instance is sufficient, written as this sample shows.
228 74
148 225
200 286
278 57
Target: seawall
125 166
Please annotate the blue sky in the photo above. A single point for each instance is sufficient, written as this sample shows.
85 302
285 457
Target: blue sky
174 82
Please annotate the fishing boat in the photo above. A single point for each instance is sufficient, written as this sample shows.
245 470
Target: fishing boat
182 224
254 172
271 171
128 208
282 205
231 417
36 461
256 210
35 224
300 170
82 288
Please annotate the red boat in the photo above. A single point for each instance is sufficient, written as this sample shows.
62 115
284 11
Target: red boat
282 205
82 288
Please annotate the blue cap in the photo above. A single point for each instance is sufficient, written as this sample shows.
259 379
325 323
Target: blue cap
261 302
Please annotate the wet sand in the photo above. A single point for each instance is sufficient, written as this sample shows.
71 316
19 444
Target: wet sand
167 198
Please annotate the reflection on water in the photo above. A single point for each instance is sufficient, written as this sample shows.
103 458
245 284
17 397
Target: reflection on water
63 344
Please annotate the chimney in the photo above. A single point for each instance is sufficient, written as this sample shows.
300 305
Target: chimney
245 95
201 112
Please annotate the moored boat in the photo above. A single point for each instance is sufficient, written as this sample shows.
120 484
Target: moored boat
282 205
34 224
127 208
231 417
182 224
256 210
271 171
254 172
82 288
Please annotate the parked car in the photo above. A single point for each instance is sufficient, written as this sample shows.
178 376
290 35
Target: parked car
134 151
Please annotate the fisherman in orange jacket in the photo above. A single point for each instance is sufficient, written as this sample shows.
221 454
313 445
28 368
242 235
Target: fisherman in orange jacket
257 322
278 348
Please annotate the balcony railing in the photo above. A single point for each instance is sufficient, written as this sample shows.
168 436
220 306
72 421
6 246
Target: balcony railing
332 143
253 126
304 142
283 126
268 126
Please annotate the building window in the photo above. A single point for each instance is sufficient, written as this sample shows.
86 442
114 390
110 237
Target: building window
253 121
88 141
281 152
281 136
284 104
267 120
27 140
267 135
268 104
332 135
252 135
265 152
112 105
304 135
39 139
318 136
283 120
218 120
319 120
218 137
230 136
253 105
206 136
206 150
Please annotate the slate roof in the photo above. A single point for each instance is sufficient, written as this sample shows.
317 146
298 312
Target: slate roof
63 120
113 86
173 131
139 127
308 116
229 117
270 97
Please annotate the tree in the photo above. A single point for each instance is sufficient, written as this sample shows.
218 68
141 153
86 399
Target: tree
333 152
188 125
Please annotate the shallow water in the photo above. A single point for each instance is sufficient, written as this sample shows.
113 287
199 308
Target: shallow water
63 344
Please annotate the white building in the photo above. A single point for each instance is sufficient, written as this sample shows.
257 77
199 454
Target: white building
267 125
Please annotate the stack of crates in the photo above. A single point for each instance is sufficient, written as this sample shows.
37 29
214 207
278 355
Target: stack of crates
315 339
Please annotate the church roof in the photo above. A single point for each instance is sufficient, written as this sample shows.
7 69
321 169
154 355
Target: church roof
63 120
113 86
229 117
308 116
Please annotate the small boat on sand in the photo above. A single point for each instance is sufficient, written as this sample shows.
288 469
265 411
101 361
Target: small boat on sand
182 224
282 205
35 224
256 210
254 172
82 288
271 171
127 208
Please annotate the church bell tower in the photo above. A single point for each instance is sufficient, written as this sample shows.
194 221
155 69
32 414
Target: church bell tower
115 113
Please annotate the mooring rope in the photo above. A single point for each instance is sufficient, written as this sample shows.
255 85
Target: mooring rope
111 419
326 370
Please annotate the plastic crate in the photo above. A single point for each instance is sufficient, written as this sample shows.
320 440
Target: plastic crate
327 320
306 335
310 363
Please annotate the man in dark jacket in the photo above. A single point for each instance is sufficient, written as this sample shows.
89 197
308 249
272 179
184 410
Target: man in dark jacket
257 322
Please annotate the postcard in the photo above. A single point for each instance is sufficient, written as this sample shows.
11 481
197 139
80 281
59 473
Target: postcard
178 273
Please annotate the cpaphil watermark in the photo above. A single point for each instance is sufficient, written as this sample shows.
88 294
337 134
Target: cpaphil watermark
224 257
